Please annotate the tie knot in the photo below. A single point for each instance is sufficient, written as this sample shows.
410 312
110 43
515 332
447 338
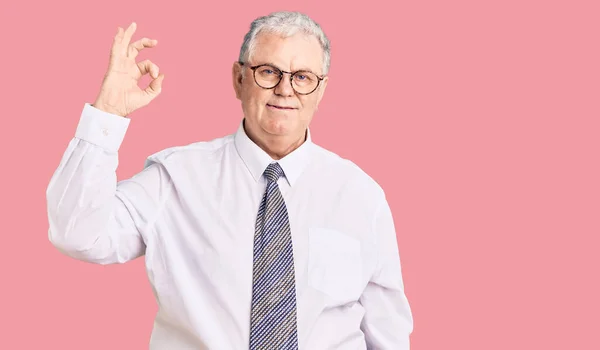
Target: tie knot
273 172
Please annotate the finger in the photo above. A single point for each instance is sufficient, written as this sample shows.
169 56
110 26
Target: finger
128 34
117 41
146 66
155 86
119 35
136 47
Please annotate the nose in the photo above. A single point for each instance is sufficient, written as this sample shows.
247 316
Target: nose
284 88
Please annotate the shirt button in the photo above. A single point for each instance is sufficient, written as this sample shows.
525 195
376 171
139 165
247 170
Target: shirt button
105 131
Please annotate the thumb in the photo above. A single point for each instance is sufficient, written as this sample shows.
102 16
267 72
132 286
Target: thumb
155 86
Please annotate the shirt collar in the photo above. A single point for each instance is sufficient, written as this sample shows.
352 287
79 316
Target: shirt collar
257 160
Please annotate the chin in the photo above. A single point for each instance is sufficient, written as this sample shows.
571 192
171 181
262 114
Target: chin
280 129
279 125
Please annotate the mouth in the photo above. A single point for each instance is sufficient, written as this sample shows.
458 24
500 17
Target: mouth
283 108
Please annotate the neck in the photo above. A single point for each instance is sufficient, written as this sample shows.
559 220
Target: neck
275 146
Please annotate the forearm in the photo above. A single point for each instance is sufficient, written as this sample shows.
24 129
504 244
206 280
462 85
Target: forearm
87 217
388 320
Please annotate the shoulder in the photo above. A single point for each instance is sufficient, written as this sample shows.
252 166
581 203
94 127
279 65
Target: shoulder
196 150
346 173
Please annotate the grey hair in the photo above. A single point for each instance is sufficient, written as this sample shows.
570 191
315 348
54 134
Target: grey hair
285 23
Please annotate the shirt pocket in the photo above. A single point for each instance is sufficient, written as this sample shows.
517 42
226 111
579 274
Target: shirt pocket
334 263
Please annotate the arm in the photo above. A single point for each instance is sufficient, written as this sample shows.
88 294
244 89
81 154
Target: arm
91 216
388 321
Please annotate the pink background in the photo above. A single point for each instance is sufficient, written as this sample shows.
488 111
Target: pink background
479 119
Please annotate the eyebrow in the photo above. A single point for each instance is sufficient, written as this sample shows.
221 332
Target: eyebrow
300 69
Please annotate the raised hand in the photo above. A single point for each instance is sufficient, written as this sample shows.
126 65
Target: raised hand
120 93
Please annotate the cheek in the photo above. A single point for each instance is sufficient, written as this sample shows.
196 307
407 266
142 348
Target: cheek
252 103
309 104
255 98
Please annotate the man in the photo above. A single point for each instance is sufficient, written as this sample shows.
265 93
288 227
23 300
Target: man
260 239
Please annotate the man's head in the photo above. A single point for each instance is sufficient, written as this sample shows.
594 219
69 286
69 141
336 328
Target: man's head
278 107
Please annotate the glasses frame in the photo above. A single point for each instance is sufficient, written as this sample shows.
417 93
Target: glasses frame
319 78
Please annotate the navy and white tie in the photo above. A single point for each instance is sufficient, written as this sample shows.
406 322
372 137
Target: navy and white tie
273 315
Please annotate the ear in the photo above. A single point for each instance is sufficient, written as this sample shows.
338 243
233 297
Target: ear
237 77
321 90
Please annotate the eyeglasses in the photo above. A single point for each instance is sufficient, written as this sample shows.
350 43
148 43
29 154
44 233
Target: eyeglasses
267 76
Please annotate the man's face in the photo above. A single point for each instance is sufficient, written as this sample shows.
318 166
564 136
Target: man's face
280 113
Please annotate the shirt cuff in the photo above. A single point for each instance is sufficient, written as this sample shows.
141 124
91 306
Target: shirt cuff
101 128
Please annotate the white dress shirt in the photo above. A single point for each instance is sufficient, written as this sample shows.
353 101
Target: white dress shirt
191 213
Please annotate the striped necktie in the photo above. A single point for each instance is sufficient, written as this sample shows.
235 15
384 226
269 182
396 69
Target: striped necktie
273 315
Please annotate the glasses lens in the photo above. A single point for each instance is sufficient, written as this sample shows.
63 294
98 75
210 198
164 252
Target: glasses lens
305 82
267 76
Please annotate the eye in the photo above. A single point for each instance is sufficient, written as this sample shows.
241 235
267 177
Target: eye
268 71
